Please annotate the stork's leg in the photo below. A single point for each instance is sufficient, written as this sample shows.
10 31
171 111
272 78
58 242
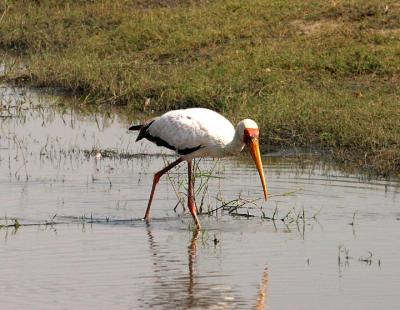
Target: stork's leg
191 182
156 178
191 203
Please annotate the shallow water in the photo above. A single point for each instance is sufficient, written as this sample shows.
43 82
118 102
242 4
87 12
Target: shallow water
236 262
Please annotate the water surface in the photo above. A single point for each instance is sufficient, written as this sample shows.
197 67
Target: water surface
49 172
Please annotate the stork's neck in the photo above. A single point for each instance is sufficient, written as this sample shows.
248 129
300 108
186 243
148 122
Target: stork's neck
236 145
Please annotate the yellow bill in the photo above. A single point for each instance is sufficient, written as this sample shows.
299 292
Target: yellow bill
255 153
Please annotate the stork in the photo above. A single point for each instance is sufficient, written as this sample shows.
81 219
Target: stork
199 132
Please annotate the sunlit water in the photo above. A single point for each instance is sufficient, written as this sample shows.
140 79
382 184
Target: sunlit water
236 262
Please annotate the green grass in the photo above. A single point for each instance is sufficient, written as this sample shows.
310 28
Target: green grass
320 74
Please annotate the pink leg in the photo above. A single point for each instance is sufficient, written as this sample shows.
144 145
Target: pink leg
190 176
156 178
191 203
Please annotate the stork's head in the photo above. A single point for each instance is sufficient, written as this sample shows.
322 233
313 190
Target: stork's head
249 134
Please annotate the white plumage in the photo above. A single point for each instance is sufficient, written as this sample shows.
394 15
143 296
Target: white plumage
190 128
199 132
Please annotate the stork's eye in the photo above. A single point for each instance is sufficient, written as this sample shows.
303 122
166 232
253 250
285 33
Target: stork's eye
250 134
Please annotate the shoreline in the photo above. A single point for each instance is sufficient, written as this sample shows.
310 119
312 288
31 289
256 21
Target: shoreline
323 76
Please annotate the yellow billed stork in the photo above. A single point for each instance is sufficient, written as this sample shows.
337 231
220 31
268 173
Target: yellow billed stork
199 132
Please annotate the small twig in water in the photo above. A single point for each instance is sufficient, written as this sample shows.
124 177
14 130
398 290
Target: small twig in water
367 259
17 142
354 217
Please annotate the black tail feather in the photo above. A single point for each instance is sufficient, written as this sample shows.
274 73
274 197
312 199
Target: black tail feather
136 127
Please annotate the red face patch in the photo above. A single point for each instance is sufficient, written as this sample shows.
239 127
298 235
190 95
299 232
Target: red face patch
250 133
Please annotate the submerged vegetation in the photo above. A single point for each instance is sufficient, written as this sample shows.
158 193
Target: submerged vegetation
312 73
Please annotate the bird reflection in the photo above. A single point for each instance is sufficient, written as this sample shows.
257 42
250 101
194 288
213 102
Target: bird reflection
169 290
262 292
172 287
192 254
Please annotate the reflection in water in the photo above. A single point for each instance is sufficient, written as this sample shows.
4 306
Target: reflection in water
174 290
187 291
262 292
192 254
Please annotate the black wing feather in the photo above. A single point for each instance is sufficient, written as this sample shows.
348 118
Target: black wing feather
143 133
136 127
